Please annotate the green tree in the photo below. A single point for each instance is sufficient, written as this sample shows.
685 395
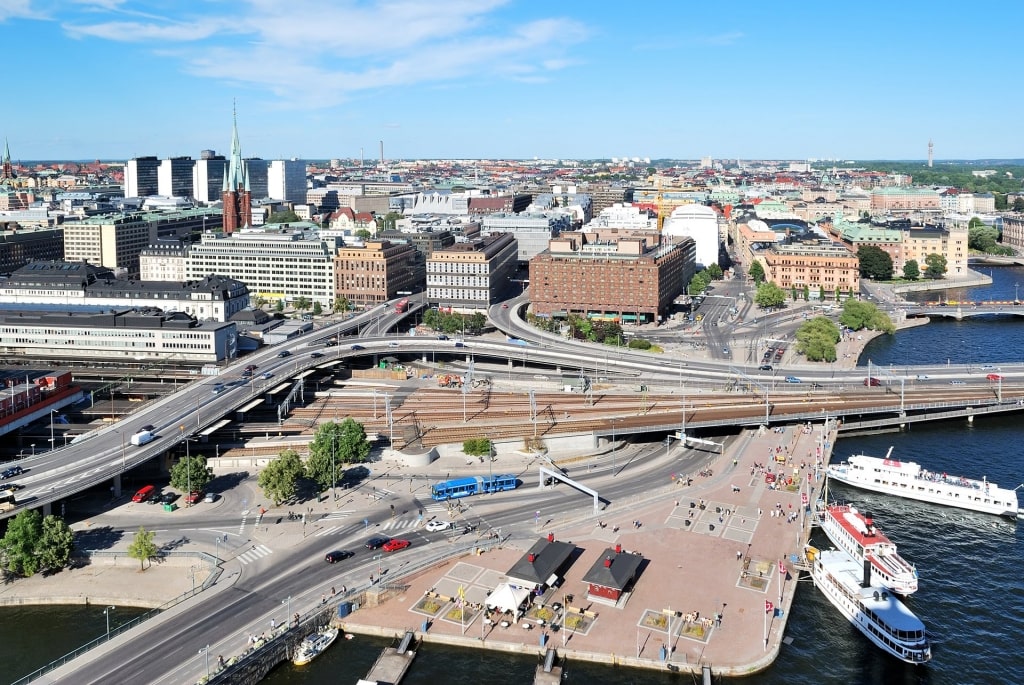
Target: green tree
715 272
911 271
1001 201
342 305
20 544
935 265
279 478
699 283
821 293
858 315
1018 204
363 234
475 323
817 338
284 217
982 238
807 293
142 547
279 307
975 222
317 308
56 544
757 272
477 447
353 447
769 295
793 292
639 344
874 263
326 458
191 472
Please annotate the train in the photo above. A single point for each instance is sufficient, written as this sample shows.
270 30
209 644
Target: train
475 485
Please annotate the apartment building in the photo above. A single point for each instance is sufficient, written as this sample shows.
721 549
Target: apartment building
626 279
472 275
812 266
376 272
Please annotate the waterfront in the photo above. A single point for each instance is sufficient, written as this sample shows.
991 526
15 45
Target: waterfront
971 598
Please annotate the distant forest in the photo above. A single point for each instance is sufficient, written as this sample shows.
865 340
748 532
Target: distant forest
958 174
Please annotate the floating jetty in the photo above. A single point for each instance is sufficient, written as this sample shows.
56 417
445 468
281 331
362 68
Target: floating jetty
392 664
547 673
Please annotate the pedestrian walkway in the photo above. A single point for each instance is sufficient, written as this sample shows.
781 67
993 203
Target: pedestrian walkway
399 524
257 552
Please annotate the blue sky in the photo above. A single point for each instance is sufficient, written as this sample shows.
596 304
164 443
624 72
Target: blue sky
113 79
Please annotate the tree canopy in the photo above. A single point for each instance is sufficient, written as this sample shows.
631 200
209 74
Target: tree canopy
699 283
33 543
142 547
477 447
911 271
286 216
817 338
769 295
333 446
279 478
985 239
757 272
190 472
935 265
874 262
858 315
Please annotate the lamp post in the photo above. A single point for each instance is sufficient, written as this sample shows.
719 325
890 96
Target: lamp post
106 612
123 460
206 650
33 449
334 463
52 443
1015 298
288 603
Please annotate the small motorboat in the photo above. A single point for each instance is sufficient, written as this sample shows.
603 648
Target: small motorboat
312 646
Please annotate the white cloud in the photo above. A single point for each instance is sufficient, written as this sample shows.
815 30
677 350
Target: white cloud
332 50
722 38
19 9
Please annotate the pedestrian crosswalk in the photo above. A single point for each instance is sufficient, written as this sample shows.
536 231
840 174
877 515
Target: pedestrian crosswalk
251 555
399 524
393 525
335 515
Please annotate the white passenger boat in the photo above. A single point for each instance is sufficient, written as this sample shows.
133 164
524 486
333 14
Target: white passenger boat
312 646
856 534
908 479
872 609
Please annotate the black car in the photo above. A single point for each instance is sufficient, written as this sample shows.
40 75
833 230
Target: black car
317 355
358 347
168 497
376 542
765 367
148 427
11 472
284 353
337 555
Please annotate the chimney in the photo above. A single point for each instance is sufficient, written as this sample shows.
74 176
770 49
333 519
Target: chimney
530 558
618 549
867 574
551 537
607 562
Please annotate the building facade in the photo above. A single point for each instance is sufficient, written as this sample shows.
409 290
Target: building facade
141 177
899 199
174 177
281 265
472 275
626 280
18 248
286 180
163 260
377 272
814 267
532 231
208 178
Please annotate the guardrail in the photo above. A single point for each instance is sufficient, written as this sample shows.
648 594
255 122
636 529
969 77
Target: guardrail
138 620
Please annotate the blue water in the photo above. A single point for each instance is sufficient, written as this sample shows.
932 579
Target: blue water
971 594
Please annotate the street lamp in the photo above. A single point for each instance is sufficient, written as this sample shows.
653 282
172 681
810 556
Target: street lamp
106 612
52 443
206 649
288 603
33 449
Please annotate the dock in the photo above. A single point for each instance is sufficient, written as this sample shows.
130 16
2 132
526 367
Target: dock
392 664
548 673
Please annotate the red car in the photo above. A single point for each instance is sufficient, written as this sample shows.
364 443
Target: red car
395 545
194 497
994 377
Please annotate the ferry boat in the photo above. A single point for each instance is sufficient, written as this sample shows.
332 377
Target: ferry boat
314 645
856 534
871 608
907 479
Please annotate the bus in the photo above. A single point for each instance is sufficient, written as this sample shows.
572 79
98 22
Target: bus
7 500
401 305
475 485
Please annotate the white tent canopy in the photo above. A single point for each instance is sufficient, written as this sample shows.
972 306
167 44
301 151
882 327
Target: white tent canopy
507 598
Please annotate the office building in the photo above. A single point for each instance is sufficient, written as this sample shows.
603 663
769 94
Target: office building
532 231
141 177
174 177
370 274
18 248
629 280
208 178
812 267
473 275
286 180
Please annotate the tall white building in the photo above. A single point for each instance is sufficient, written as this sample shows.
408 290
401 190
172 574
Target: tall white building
700 223
276 265
140 177
286 180
174 177
208 179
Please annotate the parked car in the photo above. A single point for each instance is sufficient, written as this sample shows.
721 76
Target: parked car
792 379
376 542
337 555
194 497
210 498
168 497
438 524
395 545
356 348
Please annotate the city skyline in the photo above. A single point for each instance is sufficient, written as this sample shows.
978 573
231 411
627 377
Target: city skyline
115 79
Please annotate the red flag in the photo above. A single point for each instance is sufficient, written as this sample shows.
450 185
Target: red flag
768 607
782 567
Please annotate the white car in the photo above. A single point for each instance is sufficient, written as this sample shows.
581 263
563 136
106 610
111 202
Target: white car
438 524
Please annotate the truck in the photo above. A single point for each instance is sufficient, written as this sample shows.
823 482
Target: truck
401 305
142 437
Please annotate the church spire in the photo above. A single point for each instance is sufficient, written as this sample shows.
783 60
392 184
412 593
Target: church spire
237 198
8 169
237 179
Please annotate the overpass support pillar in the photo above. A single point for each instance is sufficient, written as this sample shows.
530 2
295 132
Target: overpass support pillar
47 509
115 487
903 424
970 418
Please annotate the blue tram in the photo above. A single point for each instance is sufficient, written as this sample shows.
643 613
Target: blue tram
475 485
